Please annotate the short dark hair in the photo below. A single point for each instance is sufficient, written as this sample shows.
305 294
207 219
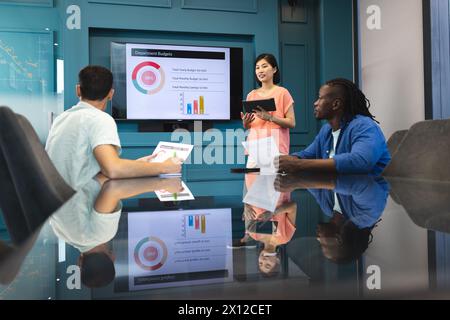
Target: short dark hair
270 58
97 270
95 82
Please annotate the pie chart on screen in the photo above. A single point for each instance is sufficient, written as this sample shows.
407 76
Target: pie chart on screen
148 77
150 253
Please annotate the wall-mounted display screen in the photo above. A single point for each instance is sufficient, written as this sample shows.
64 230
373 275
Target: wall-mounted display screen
172 82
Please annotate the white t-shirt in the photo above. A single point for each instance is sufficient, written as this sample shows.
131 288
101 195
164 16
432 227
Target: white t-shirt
335 141
335 134
78 224
73 138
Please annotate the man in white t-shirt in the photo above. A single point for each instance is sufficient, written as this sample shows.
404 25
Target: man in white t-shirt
83 140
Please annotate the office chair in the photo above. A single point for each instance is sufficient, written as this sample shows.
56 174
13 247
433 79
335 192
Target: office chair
426 202
423 153
31 188
395 140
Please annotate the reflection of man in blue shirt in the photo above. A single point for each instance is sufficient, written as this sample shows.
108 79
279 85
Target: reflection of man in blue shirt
361 199
354 207
350 143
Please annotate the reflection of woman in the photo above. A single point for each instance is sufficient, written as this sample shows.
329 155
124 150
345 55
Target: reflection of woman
282 223
283 229
277 123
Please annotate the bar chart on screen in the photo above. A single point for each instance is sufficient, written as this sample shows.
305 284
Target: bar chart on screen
192 104
194 225
182 247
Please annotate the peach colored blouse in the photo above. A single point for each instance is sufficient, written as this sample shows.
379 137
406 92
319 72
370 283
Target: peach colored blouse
285 230
261 129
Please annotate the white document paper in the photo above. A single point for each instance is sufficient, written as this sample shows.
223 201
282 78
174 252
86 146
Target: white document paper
166 150
262 193
184 195
263 152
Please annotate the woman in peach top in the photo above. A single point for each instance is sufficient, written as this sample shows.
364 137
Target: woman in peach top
261 123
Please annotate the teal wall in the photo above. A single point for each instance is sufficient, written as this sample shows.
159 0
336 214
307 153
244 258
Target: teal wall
30 17
316 48
32 21
3 234
178 19
335 39
299 65
249 24
310 51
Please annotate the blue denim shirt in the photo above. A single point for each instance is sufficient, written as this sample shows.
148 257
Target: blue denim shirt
361 148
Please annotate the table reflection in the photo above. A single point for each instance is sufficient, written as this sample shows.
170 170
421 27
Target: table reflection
353 205
210 239
90 220
269 220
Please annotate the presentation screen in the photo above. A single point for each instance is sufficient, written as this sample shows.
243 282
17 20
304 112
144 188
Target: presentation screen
178 248
169 82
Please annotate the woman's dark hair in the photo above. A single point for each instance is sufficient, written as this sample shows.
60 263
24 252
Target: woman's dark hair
355 102
275 271
273 62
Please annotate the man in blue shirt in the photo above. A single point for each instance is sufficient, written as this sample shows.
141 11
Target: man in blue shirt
350 143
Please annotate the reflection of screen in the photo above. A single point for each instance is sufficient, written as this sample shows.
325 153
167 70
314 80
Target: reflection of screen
172 82
178 248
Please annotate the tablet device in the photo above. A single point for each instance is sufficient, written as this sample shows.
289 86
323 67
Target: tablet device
244 170
263 227
267 104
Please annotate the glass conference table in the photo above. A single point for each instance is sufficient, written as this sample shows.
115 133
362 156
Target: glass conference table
250 237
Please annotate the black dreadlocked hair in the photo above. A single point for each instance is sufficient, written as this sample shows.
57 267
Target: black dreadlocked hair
355 102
